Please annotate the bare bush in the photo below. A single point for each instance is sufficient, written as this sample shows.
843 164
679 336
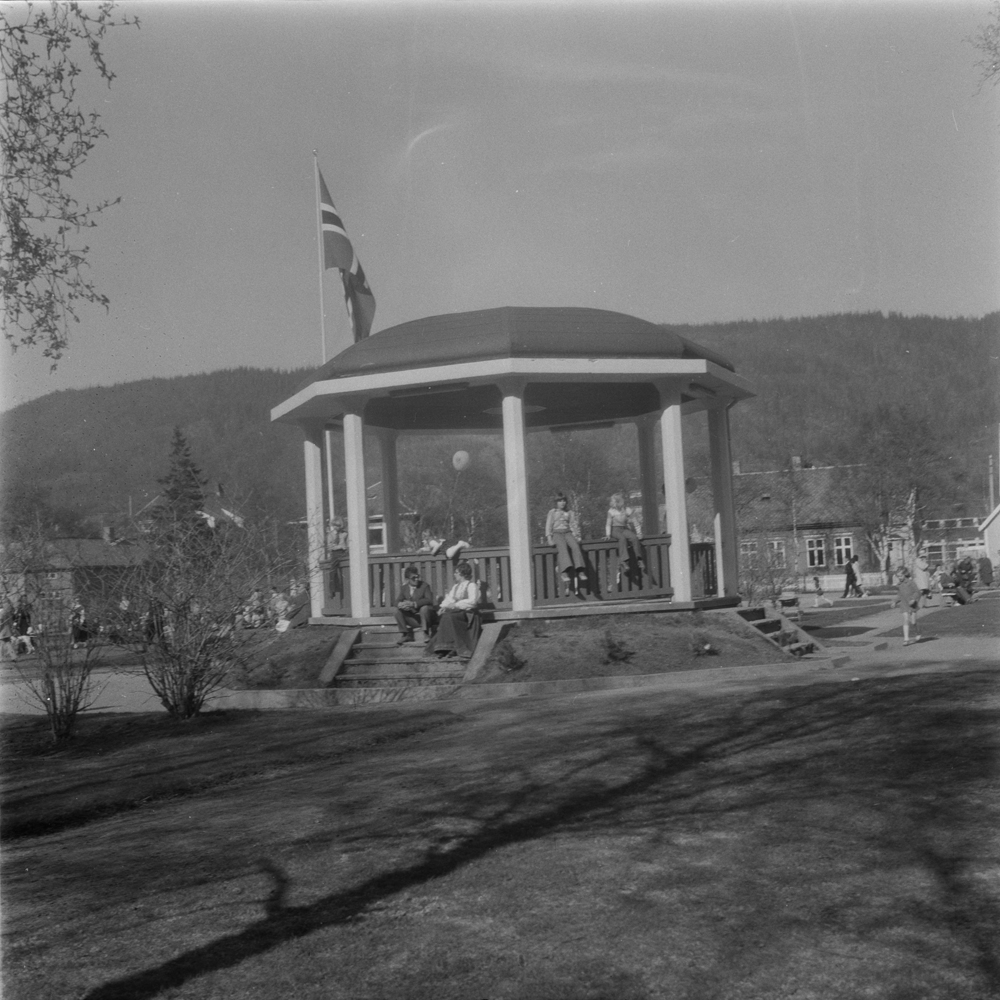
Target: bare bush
44 628
190 611
764 573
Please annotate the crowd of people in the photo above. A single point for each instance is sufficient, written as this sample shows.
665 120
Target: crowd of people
928 586
17 633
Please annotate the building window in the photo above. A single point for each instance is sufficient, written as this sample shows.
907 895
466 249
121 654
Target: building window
935 554
843 549
748 548
815 552
776 550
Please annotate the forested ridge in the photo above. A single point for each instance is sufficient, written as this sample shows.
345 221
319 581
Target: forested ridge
96 452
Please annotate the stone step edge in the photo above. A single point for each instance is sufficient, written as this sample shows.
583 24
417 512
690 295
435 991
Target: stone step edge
333 697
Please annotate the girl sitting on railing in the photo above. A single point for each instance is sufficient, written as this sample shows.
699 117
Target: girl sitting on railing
621 525
562 530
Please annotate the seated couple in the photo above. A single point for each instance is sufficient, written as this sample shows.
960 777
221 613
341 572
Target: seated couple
457 616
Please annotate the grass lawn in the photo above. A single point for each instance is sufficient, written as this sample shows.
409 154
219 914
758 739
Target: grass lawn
829 841
980 618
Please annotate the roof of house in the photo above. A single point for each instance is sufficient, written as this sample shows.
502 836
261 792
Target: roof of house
792 498
992 516
79 553
778 500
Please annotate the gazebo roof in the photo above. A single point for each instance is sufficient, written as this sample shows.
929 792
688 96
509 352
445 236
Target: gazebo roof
442 372
510 332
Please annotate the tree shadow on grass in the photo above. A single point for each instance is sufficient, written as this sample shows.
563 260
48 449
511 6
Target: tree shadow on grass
906 750
154 776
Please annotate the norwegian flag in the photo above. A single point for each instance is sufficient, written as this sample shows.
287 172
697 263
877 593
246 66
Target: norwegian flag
338 251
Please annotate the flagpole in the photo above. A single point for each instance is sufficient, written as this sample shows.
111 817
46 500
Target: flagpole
319 250
327 433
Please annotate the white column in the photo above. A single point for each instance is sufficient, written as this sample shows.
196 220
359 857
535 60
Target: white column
390 487
315 522
519 537
675 495
357 512
722 491
331 498
647 476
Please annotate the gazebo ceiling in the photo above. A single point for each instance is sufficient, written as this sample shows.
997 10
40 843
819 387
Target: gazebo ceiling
546 404
579 366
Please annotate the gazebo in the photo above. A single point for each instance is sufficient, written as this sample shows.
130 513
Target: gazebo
514 370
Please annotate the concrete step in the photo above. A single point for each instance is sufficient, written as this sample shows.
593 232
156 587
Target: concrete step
767 625
451 679
417 666
375 654
388 642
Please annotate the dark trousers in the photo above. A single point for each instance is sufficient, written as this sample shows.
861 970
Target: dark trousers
569 555
407 621
627 539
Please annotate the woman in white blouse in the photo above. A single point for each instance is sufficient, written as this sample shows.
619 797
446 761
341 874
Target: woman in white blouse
458 618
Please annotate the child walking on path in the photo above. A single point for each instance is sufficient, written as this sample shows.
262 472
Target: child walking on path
909 602
819 598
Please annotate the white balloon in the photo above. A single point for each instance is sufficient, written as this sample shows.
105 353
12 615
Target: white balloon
460 460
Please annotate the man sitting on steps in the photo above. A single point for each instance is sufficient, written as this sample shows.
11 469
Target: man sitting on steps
415 607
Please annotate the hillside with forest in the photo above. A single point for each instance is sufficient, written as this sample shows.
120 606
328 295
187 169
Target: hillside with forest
79 458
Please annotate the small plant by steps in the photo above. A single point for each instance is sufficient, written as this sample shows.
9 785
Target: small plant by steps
507 657
614 650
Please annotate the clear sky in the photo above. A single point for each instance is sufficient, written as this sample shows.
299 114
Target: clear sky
684 163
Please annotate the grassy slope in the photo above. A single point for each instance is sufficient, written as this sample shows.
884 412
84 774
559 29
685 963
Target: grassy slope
828 841
617 645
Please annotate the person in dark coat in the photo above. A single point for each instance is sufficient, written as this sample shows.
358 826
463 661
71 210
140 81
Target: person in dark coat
23 631
415 607
78 624
965 575
851 587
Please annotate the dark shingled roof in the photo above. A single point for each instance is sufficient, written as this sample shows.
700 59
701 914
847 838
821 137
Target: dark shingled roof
764 501
511 332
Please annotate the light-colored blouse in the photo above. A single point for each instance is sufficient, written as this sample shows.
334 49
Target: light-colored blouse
561 520
463 596
619 518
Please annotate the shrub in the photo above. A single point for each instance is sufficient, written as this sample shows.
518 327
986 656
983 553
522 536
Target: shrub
614 650
507 658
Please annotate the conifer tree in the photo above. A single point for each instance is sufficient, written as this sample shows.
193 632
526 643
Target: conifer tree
183 485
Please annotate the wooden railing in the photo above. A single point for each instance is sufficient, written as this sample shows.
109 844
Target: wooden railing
703 572
606 578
